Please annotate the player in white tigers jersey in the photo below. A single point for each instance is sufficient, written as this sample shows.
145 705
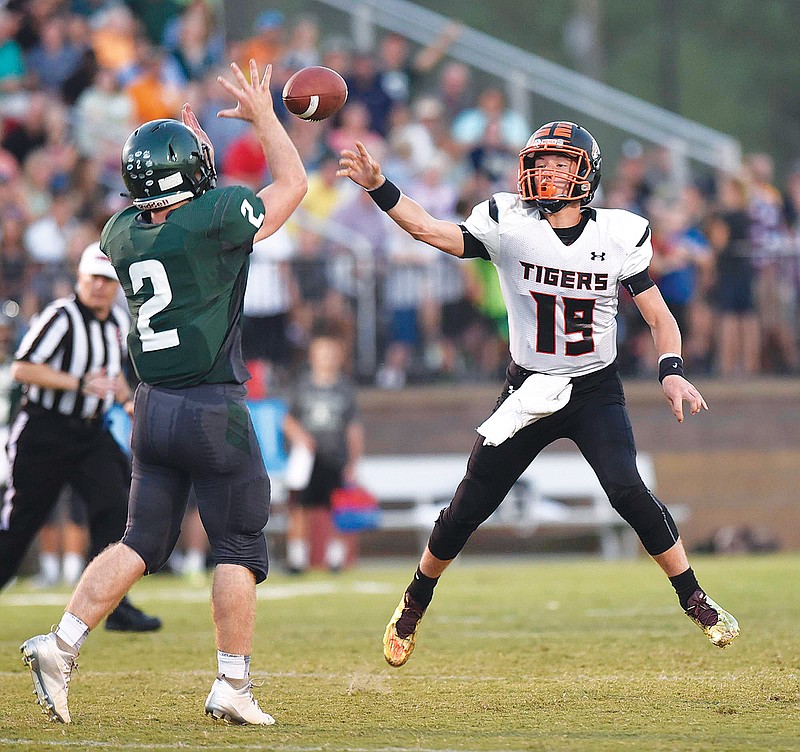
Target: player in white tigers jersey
560 264
561 299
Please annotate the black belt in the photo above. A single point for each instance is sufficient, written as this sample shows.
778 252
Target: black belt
69 422
518 372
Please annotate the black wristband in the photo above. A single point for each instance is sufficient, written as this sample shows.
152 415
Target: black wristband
386 195
79 390
672 365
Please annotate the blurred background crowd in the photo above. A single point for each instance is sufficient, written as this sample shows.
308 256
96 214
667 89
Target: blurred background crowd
76 76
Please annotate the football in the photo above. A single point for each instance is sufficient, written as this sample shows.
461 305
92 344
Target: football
315 93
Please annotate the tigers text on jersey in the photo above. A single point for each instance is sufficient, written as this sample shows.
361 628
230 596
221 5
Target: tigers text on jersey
561 299
184 280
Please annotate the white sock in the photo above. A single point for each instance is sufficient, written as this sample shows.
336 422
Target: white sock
72 568
297 552
72 630
194 562
336 554
175 561
232 666
49 568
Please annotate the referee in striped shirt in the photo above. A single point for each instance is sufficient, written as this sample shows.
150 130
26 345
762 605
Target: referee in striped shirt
71 365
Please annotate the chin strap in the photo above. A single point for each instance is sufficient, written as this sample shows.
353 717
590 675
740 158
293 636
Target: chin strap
550 206
162 202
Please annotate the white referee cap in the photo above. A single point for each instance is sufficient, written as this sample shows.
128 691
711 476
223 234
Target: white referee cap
94 261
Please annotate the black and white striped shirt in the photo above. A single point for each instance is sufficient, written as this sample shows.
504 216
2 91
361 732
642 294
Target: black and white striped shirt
67 336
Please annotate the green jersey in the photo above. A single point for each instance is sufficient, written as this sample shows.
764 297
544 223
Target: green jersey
184 280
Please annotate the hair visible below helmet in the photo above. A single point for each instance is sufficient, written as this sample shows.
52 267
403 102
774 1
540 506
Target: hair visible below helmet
560 137
163 163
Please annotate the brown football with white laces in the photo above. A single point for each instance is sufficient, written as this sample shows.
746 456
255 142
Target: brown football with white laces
315 93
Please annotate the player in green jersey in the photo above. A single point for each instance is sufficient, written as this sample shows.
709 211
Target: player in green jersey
181 253
184 280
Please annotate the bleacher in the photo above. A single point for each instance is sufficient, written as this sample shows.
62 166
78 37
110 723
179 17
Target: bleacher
558 493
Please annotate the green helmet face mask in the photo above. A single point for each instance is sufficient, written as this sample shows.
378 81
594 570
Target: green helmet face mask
163 163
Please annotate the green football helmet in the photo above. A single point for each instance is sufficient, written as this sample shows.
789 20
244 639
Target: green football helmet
163 163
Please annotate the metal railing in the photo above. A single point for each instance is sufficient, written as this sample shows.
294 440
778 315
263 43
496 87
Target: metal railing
363 282
526 74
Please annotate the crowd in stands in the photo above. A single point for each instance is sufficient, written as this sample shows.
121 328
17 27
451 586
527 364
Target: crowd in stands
77 76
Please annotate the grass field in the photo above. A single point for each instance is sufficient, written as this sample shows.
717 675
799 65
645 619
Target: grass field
516 654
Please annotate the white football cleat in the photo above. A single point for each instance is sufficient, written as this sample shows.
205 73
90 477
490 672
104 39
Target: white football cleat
51 669
235 705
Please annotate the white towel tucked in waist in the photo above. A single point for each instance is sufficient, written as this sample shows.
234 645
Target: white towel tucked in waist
539 396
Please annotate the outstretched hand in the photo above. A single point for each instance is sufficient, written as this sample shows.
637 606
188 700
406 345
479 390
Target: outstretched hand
677 389
360 167
254 99
190 120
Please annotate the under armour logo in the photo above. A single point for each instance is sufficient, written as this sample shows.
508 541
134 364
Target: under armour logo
596 256
510 388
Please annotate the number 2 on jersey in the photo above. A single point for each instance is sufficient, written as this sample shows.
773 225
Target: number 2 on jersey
250 215
578 318
162 297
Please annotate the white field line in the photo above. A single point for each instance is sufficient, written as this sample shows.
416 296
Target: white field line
87 744
347 676
308 589
202 595
640 611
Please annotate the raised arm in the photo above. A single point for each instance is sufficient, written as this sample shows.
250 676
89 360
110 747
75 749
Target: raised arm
365 171
429 56
283 195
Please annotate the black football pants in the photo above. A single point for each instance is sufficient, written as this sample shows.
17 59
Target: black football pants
46 452
199 437
596 419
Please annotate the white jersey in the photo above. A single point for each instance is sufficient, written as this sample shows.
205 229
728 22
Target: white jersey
561 299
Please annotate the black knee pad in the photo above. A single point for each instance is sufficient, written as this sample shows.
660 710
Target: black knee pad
647 516
458 521
442 544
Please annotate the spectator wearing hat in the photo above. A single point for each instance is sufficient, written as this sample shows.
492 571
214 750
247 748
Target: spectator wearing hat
244 161
267 45
70 363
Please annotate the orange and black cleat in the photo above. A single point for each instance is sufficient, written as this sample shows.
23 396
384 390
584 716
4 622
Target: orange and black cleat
401 632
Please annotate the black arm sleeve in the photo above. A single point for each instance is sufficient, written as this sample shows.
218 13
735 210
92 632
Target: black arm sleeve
473 248
638 283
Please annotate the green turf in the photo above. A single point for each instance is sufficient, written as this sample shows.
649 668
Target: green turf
513 655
